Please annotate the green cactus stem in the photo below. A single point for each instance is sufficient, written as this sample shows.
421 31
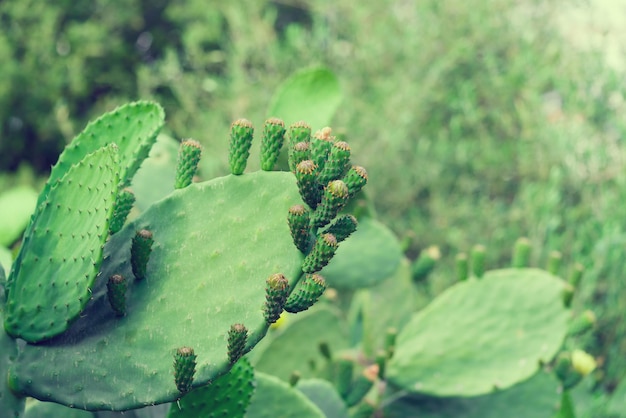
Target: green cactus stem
554 262
271 143
241 133
298 220
184 369
333 200
321 143
237 338
276 292
362 385
323 250
338 162
462 267
425 263
307 292
188 158
116 293
479 253
355 179
342 227
521 253
140 252
121 208
306 177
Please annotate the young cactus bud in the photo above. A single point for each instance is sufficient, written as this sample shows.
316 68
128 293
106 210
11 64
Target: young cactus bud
338 162
425 263
121 209
571 368
355 179
321 144
342 227
237 338
184 369
187 164
462 267
306 176
241 132
272 142
381 361
478 260
334 199
521 253
325 350
323 250
390 341
299 132
140 253
576 274
294 378
276 292
116 293
361 385
581 324
301 151
554 262
344 369
568 294
298 220
308 292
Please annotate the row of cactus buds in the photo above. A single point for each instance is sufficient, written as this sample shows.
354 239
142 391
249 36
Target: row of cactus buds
307 292
188 158
122 207
276 293
272 142
140 252
237 339
184 369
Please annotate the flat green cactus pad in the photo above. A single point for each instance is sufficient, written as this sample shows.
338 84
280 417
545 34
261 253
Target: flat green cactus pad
325 396
52 278
536 397
215 244
365 258
482 335
275 398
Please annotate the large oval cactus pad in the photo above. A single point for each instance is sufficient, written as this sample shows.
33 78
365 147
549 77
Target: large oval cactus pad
482 335
215 244
51 282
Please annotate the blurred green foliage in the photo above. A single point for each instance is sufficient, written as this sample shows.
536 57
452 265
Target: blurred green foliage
477 120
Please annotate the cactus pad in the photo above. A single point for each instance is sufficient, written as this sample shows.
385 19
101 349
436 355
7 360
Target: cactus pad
482 335
215 245
41 305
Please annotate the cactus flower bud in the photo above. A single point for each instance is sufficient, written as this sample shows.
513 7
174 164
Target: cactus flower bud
321 144
462 267
306 176
121 208
237 338
301 151
478 260
276 292
116 293
140 252
582 323
299 132
355 179
298 220
337 164
306 294
425 263
323 250
521 253
334 199
241 133
342 227
271 143
184 369
187 164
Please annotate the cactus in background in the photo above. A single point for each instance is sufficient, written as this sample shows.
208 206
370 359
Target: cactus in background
139 313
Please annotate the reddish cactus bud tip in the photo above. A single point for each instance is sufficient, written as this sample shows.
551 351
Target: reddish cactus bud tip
245 123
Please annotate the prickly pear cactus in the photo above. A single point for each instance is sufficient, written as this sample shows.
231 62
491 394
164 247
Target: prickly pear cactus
205 270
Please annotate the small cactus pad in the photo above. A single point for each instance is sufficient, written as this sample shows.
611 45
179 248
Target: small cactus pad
187 164
276 292
271 143
481 334
121 209
241 133
116 292
307 292
228 396
215 244
140 252
237 338
41 305
323 250
184 369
